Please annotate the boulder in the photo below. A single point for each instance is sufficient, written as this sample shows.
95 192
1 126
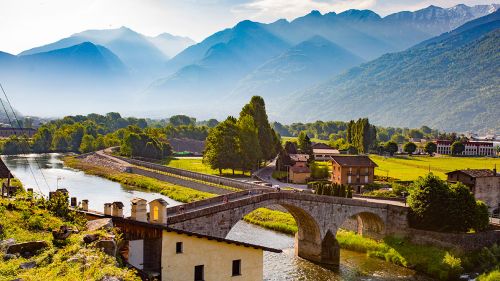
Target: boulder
107 246
89 238
93 225
28 265
7 257
27 247
63 233
4 244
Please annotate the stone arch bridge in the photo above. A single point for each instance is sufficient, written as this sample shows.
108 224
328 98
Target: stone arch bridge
318 218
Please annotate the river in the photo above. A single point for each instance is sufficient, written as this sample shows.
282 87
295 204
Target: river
39 170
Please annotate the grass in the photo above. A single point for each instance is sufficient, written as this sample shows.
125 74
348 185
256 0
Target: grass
24 222
196 165
176 192
279 174
490 276
294 139
273 220
410 168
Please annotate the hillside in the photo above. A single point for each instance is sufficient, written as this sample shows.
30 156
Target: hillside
299 67
451 83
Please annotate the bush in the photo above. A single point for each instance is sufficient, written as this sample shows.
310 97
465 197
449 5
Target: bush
319 171
437 205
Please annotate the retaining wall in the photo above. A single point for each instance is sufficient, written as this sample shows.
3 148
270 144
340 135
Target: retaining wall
463 242
190 174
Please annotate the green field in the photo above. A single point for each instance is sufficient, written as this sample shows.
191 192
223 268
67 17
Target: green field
196 165
410 168
294 139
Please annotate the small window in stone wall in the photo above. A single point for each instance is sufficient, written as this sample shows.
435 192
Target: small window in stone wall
178 248
236 267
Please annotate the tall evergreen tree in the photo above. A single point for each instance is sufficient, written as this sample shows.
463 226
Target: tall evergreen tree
221 146
248 143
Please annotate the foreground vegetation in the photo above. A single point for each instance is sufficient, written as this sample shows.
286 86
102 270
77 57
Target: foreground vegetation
176 192
410 168
71 259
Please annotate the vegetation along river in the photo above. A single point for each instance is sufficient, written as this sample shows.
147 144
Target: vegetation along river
284 266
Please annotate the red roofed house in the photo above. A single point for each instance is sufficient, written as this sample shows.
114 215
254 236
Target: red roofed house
356 171
299 172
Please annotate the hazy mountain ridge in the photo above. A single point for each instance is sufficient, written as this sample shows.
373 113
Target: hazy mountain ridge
450 83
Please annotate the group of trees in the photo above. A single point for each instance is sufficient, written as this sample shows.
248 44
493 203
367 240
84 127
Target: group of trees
331 189
361 134
242 143
441 206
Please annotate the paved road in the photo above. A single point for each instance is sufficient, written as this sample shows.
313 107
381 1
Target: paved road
267 172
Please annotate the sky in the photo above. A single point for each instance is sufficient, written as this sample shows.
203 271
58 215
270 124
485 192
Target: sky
25 24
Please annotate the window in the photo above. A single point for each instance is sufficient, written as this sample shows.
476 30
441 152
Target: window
198 273
155 213
178 247
236 267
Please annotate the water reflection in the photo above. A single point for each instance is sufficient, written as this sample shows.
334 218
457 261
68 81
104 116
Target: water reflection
41 172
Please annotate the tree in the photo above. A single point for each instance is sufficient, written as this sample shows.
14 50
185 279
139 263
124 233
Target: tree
416 134
221 146
12 146
87 144
398 138
75 136
304 144
291 147
178 120
409 147
391 147
267 136
42 140
60 141
212 123
437 205
248 143
457 148
430 148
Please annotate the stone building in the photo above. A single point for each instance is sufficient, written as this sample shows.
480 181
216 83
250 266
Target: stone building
299 172
356 171
483 183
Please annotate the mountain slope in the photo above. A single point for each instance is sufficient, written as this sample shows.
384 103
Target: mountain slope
134 49
244 47
171 45
298 68
87 75
450 84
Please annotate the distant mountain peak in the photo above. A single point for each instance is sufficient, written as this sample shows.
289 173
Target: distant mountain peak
314 13
360 14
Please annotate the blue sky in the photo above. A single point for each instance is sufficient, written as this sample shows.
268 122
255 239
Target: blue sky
28 23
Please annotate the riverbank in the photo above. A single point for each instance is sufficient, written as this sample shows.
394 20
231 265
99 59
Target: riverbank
176 192
439 263
22 220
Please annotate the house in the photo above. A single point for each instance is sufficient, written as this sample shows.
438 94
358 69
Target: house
170 254
299 172
356 171
472 148
483 183
323 152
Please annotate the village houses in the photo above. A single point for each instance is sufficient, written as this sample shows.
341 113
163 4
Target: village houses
356 171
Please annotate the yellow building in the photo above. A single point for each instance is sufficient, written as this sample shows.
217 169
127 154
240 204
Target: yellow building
190 256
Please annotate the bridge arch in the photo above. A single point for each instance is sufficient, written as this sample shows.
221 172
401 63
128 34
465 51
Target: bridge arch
365 223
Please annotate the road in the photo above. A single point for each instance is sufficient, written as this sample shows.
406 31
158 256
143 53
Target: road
266 174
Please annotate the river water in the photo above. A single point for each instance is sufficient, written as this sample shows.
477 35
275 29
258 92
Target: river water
38 171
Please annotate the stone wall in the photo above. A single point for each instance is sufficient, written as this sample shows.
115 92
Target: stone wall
462 242
187 183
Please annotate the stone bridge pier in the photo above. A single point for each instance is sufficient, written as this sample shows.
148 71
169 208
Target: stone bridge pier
318 219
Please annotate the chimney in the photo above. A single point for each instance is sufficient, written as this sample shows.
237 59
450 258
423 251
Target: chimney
73 201
117 210
85 205
158 211
107 209
139 209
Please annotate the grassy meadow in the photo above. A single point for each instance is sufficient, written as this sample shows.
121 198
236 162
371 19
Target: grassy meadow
409 168
195 164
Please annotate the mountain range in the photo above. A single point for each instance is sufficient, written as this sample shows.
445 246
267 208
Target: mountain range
450 81
318 66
